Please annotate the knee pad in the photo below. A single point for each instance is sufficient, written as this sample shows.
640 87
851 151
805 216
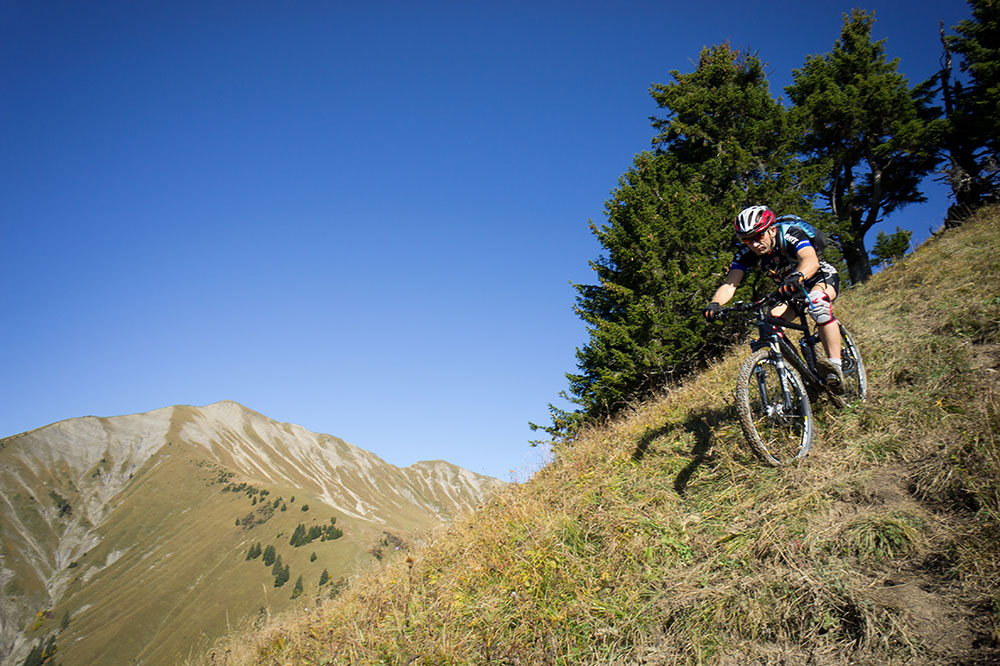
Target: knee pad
820 308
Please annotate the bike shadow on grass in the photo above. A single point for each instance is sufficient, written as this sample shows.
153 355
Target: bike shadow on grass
701 424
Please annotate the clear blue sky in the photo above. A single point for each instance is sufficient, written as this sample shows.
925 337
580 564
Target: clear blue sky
363 218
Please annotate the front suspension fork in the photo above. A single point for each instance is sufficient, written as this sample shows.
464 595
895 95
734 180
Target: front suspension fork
783 381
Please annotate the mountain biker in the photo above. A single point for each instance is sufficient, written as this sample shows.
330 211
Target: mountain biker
785 252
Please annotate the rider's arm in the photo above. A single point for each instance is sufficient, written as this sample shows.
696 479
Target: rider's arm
808 261
728 288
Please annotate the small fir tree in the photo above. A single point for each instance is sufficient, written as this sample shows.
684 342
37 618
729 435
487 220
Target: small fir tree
331 531
62 504
890 248
277 566
36 657
281 577
50 649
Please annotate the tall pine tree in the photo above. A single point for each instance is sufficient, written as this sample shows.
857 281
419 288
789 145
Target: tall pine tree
867 130
723 144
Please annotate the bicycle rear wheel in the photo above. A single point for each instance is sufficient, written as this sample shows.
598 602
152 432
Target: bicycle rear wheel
776 420
855 378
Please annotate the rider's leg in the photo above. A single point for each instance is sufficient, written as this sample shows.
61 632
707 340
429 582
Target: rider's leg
822 296
826 324
821 310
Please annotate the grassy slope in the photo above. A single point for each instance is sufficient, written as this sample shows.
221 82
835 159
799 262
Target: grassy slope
658 539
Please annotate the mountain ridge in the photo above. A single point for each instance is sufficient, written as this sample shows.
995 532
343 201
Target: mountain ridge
86 501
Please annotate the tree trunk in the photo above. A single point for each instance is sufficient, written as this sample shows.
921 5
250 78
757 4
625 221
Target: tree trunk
859 267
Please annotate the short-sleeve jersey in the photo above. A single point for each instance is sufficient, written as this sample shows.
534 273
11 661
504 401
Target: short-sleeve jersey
782 260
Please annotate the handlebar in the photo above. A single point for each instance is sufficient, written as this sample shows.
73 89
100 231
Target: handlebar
741 307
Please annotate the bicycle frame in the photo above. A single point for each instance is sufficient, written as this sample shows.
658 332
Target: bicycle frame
771 332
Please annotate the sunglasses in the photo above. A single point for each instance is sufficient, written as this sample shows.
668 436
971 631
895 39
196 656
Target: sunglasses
750 240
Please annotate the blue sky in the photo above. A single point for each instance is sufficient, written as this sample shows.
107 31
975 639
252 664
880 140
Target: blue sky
362 218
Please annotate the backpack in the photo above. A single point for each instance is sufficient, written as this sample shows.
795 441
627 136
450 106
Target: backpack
816 237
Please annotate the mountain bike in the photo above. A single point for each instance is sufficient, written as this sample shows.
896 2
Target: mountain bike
777 383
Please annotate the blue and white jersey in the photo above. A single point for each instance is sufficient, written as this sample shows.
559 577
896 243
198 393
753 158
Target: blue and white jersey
783 259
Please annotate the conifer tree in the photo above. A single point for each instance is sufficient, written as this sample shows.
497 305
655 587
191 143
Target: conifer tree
868 130
724 143
36 656
61 503
269 556
324 578
277 566
972 110
889 248
50 649
281 576
297 590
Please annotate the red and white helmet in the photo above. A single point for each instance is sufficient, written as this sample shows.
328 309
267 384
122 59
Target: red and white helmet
753 221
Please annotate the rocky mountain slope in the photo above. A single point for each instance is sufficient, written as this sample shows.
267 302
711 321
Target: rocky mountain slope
126 539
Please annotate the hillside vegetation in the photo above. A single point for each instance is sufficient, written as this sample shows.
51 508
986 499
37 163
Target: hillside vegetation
659 539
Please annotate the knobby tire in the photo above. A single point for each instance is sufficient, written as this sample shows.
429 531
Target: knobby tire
777 432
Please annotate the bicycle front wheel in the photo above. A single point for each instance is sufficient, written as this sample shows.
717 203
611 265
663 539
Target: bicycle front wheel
774 409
